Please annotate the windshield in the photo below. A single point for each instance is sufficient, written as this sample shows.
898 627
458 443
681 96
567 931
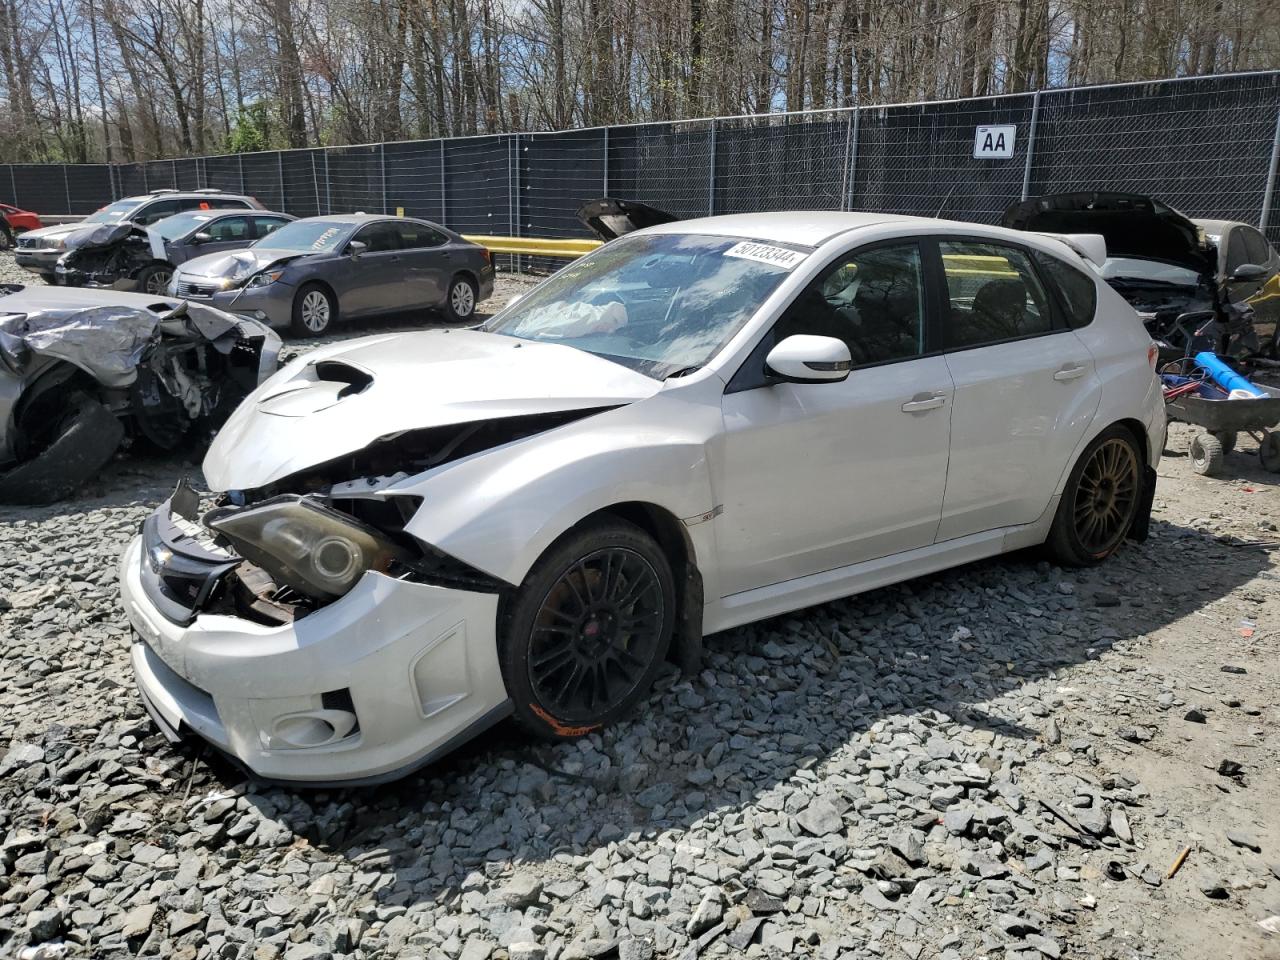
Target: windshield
179 225
656 303
113 212
1125 268
307 236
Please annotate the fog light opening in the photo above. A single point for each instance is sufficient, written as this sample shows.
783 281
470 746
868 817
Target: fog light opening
316 729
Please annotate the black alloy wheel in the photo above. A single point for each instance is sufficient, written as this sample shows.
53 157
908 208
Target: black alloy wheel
585 635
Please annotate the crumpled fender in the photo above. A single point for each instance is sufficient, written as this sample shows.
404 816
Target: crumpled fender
500 509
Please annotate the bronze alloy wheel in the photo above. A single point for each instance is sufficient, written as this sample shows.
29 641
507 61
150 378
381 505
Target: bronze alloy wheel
1106 496
597 633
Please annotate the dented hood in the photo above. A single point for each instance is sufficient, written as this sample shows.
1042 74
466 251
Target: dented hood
237 264
339 399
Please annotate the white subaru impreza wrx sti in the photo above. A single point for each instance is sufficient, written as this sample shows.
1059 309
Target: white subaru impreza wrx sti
699 425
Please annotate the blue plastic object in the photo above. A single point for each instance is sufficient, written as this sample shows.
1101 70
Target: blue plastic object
1224 376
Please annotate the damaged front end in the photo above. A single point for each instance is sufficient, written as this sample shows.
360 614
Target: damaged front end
111 256
77 380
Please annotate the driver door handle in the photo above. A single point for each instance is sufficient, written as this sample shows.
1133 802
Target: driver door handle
1070 371
924 401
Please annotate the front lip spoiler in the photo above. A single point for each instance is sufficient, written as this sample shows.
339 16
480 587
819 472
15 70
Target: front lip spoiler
183 734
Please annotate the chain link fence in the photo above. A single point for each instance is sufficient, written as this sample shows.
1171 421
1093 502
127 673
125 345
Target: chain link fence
1207 145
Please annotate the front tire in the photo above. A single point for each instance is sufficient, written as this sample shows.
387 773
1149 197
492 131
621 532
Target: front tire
460 304
583 639
154 280
1100 501
314 311
6 236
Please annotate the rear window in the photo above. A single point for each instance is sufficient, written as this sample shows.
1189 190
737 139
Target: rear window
1074 289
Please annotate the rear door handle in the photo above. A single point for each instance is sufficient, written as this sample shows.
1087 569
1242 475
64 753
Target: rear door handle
1070 371
924 401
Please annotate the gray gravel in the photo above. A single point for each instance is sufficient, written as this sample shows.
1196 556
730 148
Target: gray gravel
992 762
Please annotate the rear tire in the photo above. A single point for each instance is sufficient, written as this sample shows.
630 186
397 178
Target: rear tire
460 304
314 311
1207 454
1100 501
1269 452
6 236
583 639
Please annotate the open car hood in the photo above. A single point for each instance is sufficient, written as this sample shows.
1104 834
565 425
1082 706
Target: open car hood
1134 226
609 218
340 399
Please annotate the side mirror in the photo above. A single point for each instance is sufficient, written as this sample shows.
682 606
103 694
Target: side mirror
1249 273
202 237
356 247
803 358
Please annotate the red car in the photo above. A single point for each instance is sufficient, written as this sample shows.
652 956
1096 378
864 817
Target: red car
13 222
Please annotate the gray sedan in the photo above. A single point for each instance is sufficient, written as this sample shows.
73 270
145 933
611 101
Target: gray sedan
312 272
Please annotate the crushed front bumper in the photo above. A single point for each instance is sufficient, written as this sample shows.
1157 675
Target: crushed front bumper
397 673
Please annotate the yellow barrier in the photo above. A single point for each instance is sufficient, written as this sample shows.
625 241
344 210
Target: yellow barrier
535 246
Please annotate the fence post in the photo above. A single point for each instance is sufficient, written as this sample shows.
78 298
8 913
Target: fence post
240 164
443 217
173 172
66 186
382 157
146 186
315 180
711 174
852 157
1031 145
1270 189
280 176
605 190
328 184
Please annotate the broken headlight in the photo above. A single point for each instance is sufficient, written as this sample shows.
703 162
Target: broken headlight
263 279
14 353
317 551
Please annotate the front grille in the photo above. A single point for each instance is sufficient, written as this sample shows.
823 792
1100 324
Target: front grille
187 288
29 243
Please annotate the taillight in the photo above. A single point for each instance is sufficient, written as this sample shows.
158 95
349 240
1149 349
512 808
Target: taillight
488 257
1153 355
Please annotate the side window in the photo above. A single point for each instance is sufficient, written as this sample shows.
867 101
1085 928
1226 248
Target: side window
1255 246
267 225
994 294
873 300
153 212
229 229
1075 289
380 237
416 235
1236 252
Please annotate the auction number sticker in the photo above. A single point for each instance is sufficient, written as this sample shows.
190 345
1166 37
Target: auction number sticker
766 253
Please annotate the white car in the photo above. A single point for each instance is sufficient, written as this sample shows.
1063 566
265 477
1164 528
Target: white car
697 426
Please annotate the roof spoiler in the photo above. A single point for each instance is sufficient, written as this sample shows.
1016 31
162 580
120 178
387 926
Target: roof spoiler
1090 246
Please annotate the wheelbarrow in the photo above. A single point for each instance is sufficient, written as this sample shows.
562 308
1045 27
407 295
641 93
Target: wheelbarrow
1221 419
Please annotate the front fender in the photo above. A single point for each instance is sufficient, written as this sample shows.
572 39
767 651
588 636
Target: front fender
499 510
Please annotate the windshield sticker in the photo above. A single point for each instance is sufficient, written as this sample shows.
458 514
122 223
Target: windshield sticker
766 253
324 238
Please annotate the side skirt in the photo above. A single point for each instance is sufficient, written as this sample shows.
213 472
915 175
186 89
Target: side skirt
779 598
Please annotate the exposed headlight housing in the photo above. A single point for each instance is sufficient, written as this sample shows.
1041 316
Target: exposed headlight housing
14 352
263 279
302 544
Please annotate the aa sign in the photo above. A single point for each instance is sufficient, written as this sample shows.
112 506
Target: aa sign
994 143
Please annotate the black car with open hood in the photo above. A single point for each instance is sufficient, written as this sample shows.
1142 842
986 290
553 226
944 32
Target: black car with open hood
1165 265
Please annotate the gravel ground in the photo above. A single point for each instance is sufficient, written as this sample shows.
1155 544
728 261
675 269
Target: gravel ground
1001 761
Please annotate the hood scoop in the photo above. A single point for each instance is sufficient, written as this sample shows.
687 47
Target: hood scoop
319 386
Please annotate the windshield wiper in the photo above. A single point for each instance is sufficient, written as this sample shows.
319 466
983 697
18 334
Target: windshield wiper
682 372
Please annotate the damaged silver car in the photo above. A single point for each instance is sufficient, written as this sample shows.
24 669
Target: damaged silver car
84 371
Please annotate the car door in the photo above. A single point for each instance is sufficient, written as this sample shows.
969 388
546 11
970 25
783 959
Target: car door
372 282
1025 387
425 262
819 476
225 233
